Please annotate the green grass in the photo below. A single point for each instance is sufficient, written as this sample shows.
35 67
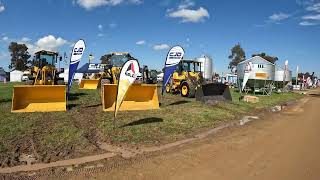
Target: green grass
177 118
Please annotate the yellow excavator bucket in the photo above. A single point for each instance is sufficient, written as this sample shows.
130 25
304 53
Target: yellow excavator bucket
89 83
39 98
139 97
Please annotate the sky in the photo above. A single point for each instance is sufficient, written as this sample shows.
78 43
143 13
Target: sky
288 29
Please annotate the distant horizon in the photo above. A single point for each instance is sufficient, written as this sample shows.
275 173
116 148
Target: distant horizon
287 29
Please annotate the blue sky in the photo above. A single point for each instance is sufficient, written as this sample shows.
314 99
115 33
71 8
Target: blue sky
288 29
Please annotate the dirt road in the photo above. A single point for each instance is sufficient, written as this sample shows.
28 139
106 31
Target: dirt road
281 146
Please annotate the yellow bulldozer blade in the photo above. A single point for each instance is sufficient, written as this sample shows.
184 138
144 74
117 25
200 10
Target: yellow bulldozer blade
89 83
139 97
39 98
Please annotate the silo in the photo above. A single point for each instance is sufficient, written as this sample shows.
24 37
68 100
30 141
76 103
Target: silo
206 66
279 75
261 76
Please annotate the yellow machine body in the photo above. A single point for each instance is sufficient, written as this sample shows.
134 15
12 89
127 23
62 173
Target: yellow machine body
43 94
89 83
139 97
39 98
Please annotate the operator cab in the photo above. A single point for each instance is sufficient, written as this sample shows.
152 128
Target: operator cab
189 66
45 58
117 59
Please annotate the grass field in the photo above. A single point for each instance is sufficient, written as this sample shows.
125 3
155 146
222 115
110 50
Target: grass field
62 135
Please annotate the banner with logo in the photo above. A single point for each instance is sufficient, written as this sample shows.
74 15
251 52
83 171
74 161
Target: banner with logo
75 58
247 71
173 58
128 74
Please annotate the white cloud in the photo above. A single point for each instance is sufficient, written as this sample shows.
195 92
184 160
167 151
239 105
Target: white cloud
161 47
307 23
314 8
279 17
100 35
2 8
100 27
312 17
141 42
25 39
50 42
189 15
91 4
5 38
186 4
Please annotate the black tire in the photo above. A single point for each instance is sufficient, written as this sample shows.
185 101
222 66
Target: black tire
189 88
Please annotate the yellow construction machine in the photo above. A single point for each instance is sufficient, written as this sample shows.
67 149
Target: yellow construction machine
139 96
188 81
45 90
185 79
110 73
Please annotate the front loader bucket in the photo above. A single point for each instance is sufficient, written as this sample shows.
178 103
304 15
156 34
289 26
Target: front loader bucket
39 98
89 83
139 97
213 92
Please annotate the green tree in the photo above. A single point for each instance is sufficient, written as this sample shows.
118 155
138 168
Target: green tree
19 56
271 59
237 55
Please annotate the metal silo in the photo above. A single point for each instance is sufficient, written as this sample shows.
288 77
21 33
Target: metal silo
282 76
206 66
261 75
279 74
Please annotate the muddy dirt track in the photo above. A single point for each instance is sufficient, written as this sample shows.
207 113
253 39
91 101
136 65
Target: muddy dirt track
280 146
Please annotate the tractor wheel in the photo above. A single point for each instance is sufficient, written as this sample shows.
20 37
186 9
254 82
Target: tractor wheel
187 90
168 88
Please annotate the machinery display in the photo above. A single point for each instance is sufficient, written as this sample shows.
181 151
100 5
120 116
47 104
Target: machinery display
261 76
188 81
45 90
140 96
110 72
149 76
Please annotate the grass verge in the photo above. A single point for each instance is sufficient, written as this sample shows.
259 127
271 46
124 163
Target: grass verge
58 135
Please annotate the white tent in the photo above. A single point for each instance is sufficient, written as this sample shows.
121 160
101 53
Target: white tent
15 76
65 75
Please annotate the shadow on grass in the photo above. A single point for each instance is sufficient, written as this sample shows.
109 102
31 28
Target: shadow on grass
95 105
179 102
75 96
70 106
144 121
5 100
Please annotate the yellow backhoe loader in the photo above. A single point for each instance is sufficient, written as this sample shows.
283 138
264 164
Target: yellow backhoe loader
188 81
139 96
45 90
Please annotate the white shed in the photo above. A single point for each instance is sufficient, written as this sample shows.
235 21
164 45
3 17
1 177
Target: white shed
15 76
